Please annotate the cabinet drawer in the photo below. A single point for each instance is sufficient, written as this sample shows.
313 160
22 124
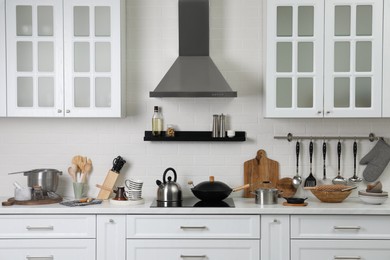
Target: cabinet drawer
184 226
46 226
147 249
340 249
47 249
340 227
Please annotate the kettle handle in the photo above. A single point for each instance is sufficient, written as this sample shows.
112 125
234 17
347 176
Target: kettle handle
174 174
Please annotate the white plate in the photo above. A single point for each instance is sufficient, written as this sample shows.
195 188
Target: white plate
127 202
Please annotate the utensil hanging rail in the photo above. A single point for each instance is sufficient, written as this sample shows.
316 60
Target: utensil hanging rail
371 137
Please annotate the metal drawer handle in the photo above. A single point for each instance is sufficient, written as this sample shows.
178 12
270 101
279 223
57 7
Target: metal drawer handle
193 256
40 228
193 227
40 257
347 257
346 227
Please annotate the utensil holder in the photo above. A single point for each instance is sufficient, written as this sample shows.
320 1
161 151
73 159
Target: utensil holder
78 189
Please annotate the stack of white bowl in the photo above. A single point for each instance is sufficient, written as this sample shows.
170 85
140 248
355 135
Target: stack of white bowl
373 194
134 189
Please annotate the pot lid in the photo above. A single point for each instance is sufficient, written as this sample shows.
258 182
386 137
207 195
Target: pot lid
212 185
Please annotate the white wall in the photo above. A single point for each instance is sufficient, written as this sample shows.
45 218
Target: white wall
236 47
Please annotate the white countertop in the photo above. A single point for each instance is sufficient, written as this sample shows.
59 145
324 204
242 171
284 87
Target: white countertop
243 206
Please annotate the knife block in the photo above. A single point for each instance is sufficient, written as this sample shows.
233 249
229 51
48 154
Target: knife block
108 185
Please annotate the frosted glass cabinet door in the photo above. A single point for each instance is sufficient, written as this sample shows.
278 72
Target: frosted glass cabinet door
3 92
294 58
34 58
93 58
386 60
353 58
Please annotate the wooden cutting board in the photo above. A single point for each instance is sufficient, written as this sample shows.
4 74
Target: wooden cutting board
259 170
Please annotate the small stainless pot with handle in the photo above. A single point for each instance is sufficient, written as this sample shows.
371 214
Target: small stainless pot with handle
266 196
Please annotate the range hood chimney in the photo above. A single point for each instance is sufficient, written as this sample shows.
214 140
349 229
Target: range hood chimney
194 73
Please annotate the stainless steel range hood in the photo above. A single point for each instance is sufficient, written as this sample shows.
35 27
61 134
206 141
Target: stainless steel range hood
194 73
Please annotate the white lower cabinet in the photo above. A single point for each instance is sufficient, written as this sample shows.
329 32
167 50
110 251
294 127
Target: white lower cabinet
111 237
336 237
47 249
275 237
191 249
48 237
197 237
340 249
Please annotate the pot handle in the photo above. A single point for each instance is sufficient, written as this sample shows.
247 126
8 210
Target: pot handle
241 187
174 174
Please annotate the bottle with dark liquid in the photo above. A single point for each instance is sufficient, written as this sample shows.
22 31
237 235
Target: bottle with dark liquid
157 122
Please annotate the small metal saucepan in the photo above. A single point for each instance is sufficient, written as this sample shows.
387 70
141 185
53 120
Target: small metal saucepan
214 190
266 196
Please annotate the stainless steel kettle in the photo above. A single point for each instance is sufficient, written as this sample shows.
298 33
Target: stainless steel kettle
169 191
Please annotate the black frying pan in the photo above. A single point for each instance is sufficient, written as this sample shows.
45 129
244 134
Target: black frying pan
214 190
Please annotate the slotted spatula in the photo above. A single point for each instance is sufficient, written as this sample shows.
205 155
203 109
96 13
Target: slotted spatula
310 180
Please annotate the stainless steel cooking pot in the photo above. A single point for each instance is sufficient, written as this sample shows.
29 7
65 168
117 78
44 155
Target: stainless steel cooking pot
266 196
46 178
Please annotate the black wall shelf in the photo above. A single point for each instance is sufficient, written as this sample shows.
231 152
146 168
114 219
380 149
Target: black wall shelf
196 136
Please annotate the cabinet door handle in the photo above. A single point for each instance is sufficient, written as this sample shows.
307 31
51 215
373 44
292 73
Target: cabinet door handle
68 111
193 227
346 227
59 111
193 256
50 257
347 257
40 228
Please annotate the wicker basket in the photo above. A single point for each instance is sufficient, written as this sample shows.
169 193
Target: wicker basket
331 196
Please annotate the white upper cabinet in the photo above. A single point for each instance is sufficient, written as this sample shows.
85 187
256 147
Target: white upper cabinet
93 68
323 58
34 58
64 58
3 82
353 58
386 59
294 58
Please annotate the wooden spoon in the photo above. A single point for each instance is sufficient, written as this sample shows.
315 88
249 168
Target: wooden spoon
87 170
72 173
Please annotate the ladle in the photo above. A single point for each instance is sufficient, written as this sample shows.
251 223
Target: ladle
297 180
339 179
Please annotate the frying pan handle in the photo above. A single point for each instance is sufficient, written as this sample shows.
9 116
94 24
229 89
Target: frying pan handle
241 187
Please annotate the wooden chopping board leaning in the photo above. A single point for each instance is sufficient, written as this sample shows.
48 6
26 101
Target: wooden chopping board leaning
260 172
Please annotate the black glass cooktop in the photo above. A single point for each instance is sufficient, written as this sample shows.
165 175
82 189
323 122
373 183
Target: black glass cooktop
194 203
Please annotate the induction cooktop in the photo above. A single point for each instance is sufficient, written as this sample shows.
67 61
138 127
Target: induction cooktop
194 203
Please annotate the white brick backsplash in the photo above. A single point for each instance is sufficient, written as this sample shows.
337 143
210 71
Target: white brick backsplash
152 47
